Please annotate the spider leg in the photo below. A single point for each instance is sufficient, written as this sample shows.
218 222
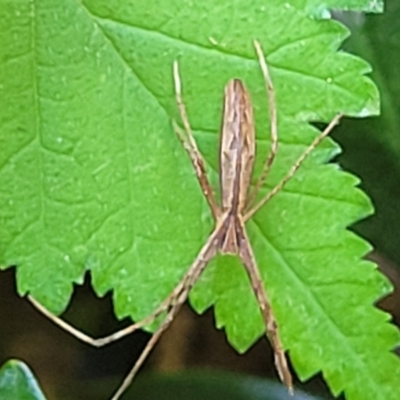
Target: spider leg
272 332
294 167
273 124
206 254
189 143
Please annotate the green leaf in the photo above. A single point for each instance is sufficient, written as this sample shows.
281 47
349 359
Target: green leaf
377 39
93 178
18 383
321 9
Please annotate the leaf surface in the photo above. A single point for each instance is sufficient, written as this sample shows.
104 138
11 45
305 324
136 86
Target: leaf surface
18 383
92 177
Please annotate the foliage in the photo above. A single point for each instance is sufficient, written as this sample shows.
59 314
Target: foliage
18 383
93 178
377 40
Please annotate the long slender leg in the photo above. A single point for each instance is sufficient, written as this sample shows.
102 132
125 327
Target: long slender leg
100 342
164 306
294 168
190 146
273 123
247 257
198 163
206 254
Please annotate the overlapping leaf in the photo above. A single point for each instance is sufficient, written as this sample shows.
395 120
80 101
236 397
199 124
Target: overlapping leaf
93 178
321 8
18 383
